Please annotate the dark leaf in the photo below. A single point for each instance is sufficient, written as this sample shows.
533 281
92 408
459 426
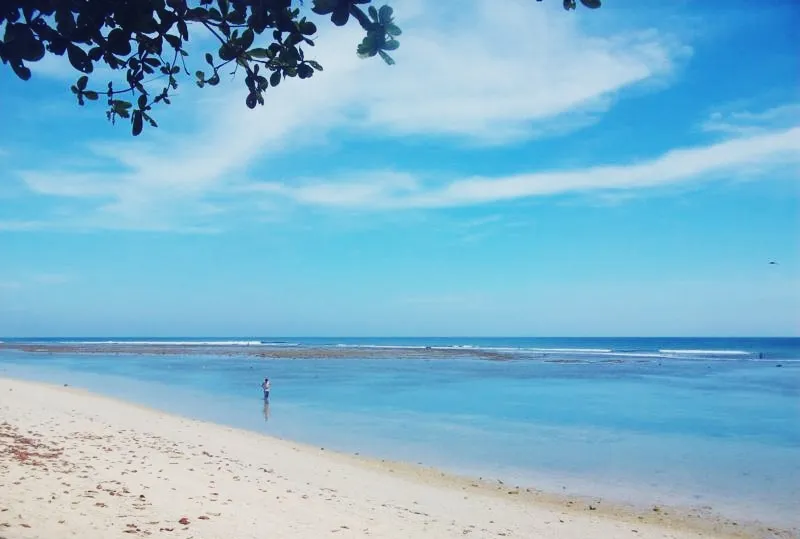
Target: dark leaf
385 14
79 59
393 30
323 7
90 95
368 46
251 100
227 51
64 20
142 102
184 31
118 42
247 39
237 16
174 41
315 65
308 28
373 14
293 40
20 41
386 58
592 4
137 122
81 84
209 59
341 14
391 45
275 78
257 53
33 50
304 71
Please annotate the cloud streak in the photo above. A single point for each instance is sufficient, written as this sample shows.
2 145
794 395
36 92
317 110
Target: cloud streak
733 157
21 225
749 122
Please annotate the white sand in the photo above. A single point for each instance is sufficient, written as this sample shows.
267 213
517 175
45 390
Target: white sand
73 464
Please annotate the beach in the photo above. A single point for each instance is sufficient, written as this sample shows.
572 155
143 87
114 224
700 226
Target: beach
75 464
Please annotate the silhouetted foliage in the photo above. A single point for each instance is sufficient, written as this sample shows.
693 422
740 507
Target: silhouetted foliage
146 39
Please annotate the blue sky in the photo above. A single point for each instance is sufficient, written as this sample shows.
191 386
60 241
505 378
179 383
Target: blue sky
520 171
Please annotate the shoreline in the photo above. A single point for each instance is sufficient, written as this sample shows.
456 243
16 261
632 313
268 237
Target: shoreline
558 515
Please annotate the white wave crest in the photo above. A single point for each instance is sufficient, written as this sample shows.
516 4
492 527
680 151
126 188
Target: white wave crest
170 343
706 352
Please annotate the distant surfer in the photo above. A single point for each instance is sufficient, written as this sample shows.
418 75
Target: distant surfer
265 387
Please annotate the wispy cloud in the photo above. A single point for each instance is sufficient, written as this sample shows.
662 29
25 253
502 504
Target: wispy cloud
443 300
21 225
733 157
470 73
51 278
35 280
748 122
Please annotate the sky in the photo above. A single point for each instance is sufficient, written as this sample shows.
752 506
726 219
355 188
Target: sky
521 171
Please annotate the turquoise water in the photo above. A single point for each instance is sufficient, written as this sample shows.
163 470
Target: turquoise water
702 423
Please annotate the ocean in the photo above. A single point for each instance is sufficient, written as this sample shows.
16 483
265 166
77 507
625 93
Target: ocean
692 422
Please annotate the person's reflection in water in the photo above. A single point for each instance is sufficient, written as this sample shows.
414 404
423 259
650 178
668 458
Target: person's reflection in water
266 410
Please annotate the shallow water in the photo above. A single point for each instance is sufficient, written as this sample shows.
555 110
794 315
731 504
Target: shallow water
672 430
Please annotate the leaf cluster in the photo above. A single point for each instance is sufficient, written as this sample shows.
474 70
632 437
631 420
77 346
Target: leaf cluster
146 40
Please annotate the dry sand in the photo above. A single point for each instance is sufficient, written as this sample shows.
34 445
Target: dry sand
74 464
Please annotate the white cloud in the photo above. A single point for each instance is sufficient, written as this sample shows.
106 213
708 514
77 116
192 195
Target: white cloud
443 300
51 278
471 71
748 122
21 225
733 157
78 185
37 279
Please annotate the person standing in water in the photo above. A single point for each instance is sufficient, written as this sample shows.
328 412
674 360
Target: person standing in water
265 387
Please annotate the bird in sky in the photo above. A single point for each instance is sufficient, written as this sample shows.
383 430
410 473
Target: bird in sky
773 263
